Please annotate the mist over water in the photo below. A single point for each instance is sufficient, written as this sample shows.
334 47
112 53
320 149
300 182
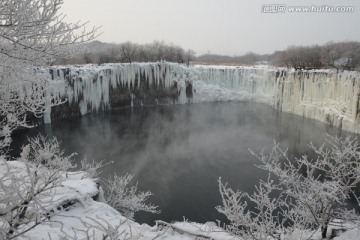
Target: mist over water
178 152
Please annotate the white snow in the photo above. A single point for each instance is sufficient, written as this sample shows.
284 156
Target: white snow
352 234
74 185
94 218
89 219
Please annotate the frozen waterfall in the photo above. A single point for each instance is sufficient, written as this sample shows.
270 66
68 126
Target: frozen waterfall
322 95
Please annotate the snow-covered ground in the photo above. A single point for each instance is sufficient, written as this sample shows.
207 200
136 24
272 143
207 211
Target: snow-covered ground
96 219
87 218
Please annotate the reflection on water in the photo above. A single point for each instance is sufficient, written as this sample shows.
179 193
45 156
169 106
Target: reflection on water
179 152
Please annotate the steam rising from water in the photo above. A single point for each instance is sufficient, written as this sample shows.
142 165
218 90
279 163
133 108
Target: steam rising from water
179 152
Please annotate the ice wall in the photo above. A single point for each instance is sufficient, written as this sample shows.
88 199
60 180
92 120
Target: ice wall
322 95
234 83
89 85
325 96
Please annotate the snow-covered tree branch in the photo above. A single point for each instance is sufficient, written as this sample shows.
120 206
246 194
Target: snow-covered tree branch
126 199
28 186
305 194
260 223
34 31
32 34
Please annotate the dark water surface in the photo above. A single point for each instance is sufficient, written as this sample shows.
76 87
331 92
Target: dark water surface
179 152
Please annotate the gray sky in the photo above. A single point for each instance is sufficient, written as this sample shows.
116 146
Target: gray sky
229 27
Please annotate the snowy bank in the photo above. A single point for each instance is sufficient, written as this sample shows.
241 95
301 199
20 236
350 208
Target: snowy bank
73 213
93 220
82 217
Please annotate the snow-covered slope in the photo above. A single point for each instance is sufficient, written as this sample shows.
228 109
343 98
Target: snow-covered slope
86 218
83 217
94 220
326 96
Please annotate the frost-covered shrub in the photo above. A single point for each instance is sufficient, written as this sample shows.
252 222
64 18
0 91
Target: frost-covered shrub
126 199
306 194
27 186
47 152
261 222
32 188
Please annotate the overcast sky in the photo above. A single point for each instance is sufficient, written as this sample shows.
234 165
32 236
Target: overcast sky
229 27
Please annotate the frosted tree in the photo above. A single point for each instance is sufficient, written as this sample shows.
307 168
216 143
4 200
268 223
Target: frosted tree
128 51
260 223
189 56
306 194
125 198
27 187
32 34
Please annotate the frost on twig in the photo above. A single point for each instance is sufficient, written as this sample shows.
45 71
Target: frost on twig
94 229
47 152
126 199
258 222
91 168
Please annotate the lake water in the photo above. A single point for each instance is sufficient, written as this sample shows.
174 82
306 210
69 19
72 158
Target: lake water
179 152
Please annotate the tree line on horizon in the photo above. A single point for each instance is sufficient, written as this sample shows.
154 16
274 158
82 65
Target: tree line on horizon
337 55
97 52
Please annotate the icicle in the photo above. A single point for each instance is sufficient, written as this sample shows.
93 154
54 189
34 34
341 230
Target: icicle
47 113
83 107
182 98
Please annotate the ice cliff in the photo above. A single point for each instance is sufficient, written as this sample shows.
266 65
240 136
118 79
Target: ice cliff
323 95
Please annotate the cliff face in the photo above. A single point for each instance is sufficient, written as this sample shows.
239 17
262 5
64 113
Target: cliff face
322 95
325 96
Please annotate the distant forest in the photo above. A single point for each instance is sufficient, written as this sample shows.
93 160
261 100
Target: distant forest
97 52
337 55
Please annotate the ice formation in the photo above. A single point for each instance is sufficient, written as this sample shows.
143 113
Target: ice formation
323 95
